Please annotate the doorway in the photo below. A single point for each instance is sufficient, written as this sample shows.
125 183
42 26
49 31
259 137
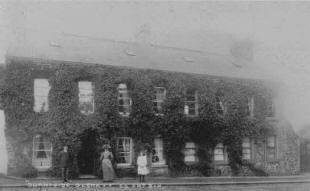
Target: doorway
305 156
88 154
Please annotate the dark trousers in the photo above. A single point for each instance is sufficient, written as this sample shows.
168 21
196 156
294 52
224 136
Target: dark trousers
65 173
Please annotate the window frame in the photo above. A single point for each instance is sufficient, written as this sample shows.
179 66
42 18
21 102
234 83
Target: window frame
163 160
271 110
92 97
130 151
187 103
36 96
124 91
250 106
159 103
220 104
194 155
274 148
224 151
34 159
249 147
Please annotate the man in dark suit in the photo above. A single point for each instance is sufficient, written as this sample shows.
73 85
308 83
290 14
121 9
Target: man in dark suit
64 163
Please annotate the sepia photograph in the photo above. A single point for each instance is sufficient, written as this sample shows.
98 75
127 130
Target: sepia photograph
154 95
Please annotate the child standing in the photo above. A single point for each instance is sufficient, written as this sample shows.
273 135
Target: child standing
142 166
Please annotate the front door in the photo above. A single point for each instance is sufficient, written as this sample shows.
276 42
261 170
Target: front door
88 153
305 156
259 152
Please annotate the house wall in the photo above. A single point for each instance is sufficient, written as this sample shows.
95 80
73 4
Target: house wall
64 117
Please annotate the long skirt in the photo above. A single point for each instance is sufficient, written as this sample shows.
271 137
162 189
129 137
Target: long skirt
107 170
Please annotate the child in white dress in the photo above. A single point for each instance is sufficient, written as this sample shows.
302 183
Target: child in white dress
142 166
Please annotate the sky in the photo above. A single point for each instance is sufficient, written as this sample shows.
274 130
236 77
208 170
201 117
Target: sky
246 39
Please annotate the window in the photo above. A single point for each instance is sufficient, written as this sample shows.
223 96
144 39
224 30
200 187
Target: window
42 153
86 97
271 148
270 108
220 109
190 152
191 105
246 149
220 153
158 152
124 101
160 96
124 150
41 91
250 106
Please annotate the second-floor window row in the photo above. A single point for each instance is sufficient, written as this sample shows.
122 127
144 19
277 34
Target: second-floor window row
86 97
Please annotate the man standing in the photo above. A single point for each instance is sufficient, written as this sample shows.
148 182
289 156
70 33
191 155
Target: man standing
64 163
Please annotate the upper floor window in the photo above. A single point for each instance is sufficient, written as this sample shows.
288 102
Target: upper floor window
160 96
246 149
191 104
158 152
190 152
41 91
86 97
220 108
250 106
42 153
270 108
124 150
271 148
220 153
124 101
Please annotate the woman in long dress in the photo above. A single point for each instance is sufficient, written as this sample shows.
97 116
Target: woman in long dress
107 167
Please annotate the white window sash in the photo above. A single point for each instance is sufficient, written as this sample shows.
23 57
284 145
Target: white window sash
42 163
41 91
158 147
86 96
127 150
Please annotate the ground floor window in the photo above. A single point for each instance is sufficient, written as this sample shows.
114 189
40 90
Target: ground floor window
271 148
158 152
265 149
220 154
190 152
124 150
246 149
42 152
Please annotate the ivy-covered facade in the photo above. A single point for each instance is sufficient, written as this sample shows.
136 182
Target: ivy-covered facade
191 125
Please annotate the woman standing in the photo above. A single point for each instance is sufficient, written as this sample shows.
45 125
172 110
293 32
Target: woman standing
142 166
107 167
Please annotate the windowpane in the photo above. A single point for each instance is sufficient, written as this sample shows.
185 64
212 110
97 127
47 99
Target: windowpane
271 148
160 96
270 108
124 101
86 97
190 152
41 91
158 152
42 152
246 149
124 150
271 141
191 105
220 153
250 106
219 106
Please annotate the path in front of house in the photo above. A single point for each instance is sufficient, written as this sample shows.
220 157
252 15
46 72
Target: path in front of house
164 181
